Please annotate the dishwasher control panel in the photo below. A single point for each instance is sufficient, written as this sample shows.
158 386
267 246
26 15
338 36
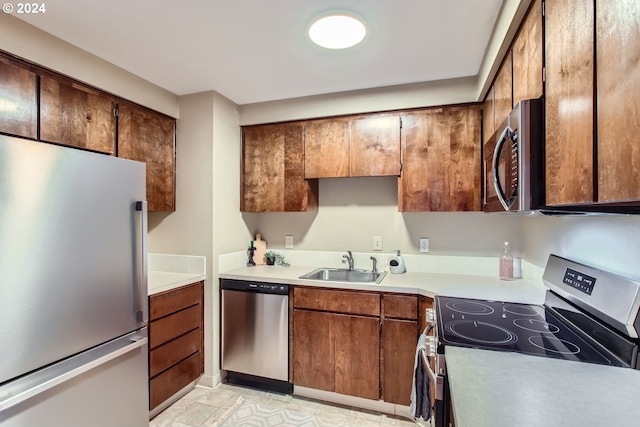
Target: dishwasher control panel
250 286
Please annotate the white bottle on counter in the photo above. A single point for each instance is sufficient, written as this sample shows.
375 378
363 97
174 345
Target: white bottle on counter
396 265
506 263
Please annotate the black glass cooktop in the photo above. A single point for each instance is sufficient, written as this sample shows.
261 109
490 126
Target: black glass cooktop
522 328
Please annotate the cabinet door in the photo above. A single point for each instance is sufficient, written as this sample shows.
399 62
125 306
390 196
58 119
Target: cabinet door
569 42
399 338
503 91
357 349
149 137
18 100
488 117
441 160
75 115
273 169
618 86
527 56
326 148
375 146
313 350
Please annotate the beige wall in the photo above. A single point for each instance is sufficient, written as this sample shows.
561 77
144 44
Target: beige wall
28 42
610 242
207 220
353 210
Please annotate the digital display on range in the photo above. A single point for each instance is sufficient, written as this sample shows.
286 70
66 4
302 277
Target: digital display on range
579 281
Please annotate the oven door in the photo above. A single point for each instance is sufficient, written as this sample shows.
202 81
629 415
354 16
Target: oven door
439 391
433 363
501 171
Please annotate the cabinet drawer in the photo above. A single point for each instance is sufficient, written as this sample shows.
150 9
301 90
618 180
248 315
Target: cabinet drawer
175 300
174 351
170 327
337 301
173 380
400 306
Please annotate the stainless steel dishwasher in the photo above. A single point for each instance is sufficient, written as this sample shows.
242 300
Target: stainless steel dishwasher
255 334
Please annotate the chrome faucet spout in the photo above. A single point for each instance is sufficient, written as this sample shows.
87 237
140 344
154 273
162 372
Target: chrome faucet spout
349 258
375 264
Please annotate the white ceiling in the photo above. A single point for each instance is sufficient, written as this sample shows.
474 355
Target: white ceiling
258 50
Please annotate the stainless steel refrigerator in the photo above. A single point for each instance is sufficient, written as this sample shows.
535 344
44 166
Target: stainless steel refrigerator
73 288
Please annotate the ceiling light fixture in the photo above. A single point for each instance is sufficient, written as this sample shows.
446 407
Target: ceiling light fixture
337 31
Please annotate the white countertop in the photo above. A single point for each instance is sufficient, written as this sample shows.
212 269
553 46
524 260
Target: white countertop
160 281
428 284
504 389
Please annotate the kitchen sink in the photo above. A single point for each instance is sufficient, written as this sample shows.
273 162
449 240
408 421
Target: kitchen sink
344 275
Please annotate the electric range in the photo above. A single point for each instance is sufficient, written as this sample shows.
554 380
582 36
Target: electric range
589 315
522 328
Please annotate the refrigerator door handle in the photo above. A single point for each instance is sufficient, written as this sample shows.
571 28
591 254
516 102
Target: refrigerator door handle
142 294
18 391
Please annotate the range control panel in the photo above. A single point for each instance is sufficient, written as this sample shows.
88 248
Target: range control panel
582 282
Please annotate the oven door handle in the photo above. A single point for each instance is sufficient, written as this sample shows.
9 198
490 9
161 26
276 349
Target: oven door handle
437 381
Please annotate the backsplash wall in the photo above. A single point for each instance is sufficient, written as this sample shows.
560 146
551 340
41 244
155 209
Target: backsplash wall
608 242
353 210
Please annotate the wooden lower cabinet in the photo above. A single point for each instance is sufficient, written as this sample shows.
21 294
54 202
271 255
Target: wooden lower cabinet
169 382
398 346
399 338
313 350
176 341
338 345
336 352
357 355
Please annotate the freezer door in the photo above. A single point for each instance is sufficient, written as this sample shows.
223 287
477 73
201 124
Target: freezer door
103 387
71 252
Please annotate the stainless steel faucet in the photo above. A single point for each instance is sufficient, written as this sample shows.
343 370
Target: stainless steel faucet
375 264
349 259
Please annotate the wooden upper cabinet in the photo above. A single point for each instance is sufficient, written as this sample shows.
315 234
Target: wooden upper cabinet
18 100
503 92
76 115
488 116
618 86
149 137
375 146
527 56
569 42
352 146
272 171
440 160
326 148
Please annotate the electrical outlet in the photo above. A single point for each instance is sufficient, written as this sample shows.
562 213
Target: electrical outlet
288 242
377 243
424 244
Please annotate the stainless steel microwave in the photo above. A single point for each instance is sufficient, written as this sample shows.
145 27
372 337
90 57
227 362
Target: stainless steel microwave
513 161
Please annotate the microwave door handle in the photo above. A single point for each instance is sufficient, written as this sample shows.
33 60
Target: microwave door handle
496 183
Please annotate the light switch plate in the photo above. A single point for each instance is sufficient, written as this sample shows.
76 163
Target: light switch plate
424 244
288 242
377 243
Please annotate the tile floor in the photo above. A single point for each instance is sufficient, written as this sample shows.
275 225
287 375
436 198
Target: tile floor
203 407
